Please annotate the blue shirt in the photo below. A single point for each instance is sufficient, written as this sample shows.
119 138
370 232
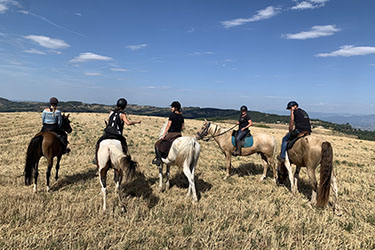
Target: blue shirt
49 117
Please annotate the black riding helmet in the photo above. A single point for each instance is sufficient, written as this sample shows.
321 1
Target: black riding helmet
121 103
291 104
53 101
176 105
243 108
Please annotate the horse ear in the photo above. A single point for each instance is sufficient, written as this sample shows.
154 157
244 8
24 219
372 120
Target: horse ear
205 120
68 116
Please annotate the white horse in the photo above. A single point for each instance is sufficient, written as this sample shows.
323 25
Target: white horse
110 155
184 153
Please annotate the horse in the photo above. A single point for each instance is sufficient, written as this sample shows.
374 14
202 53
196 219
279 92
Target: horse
309 152
45 144
109 155
264 144
184 153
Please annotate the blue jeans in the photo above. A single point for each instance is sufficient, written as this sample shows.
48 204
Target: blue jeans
241 134
283 145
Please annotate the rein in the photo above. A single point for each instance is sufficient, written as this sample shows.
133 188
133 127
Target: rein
213 136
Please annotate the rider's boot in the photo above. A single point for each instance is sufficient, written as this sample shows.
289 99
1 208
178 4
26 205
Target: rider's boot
157 160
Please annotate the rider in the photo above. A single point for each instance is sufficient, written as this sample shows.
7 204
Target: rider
244 123
115 125
52 121
300 120
172 131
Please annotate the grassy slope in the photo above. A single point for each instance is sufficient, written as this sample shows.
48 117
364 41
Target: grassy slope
238 213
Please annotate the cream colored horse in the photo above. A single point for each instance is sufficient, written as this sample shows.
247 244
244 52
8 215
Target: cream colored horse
110 155
309 152
264 144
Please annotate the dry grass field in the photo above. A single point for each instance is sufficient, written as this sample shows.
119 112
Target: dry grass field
237 213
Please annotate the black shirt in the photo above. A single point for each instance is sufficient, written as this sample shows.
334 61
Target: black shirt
301 120
177 121
244 121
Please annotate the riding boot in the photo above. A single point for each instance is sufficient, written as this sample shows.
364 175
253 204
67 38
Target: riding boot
157 160
237 152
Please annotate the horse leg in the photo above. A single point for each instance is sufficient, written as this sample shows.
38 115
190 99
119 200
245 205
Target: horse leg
190 176
161 177
49 167
228 164
118 179
36 173
336 206
265 167
296 176
290 170
103 183
57 167
314 184
167 185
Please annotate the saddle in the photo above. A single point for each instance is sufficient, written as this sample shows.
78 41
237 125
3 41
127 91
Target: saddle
295 137
247 141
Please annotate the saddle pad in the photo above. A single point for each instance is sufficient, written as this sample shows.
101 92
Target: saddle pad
248 141
290 143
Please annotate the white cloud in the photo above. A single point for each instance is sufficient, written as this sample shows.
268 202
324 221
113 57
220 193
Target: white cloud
5 4
315 32
136 47
34 51
47 42
83 57
350 50
119 69
267 13
3 8
203 53
78 14
309 4
92 74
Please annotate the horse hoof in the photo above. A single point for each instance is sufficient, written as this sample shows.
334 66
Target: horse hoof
167 186
161 189
123 209
48 189
262 178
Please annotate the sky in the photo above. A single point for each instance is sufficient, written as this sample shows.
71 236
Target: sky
204 53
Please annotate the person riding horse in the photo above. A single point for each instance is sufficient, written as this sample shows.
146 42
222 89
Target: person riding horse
300 121
244 123
172 131
115 125
52 121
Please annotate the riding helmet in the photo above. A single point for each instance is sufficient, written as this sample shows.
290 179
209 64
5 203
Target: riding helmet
121 103
53 101
243 108
176 105
291 104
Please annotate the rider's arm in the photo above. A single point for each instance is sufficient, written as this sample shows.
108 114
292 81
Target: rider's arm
126 120
250 123
291 123
43 116
59 118
183 126
167 128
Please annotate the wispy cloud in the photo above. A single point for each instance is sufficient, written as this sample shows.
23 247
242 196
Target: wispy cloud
34 51
47 42
25 12
202 53
315 32
266 13
309 4
119 69
137 47
84 57
350 50
78 14
92 74
5 5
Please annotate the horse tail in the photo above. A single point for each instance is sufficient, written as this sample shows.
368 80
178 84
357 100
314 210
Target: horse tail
31 157
125 162
195 151
326 168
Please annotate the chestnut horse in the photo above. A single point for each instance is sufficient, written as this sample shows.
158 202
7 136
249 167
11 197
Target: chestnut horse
309 152
45 144
264 144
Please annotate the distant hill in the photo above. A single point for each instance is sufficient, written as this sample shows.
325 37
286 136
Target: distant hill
189 112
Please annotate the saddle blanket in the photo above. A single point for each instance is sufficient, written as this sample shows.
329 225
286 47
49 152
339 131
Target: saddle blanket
248 141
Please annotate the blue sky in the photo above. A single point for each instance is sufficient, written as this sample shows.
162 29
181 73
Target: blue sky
208 53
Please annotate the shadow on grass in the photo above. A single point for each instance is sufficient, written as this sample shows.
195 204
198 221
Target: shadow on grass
180 181
251 169
72 179
141 188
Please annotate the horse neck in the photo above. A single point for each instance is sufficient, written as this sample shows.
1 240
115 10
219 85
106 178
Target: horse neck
217 132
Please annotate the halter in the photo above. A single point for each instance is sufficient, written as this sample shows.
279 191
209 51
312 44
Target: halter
205 132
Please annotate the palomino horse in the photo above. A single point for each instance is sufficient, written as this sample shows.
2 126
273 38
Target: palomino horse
184 153
309 152
110 155
45 144
264 144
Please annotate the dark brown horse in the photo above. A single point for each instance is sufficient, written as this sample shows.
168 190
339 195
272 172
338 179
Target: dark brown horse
45 144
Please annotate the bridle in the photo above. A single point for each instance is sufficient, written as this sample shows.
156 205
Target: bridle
205 132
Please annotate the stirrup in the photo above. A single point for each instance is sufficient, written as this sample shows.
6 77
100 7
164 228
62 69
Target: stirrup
280 159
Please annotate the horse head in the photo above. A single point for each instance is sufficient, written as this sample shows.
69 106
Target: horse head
204 130
66 123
